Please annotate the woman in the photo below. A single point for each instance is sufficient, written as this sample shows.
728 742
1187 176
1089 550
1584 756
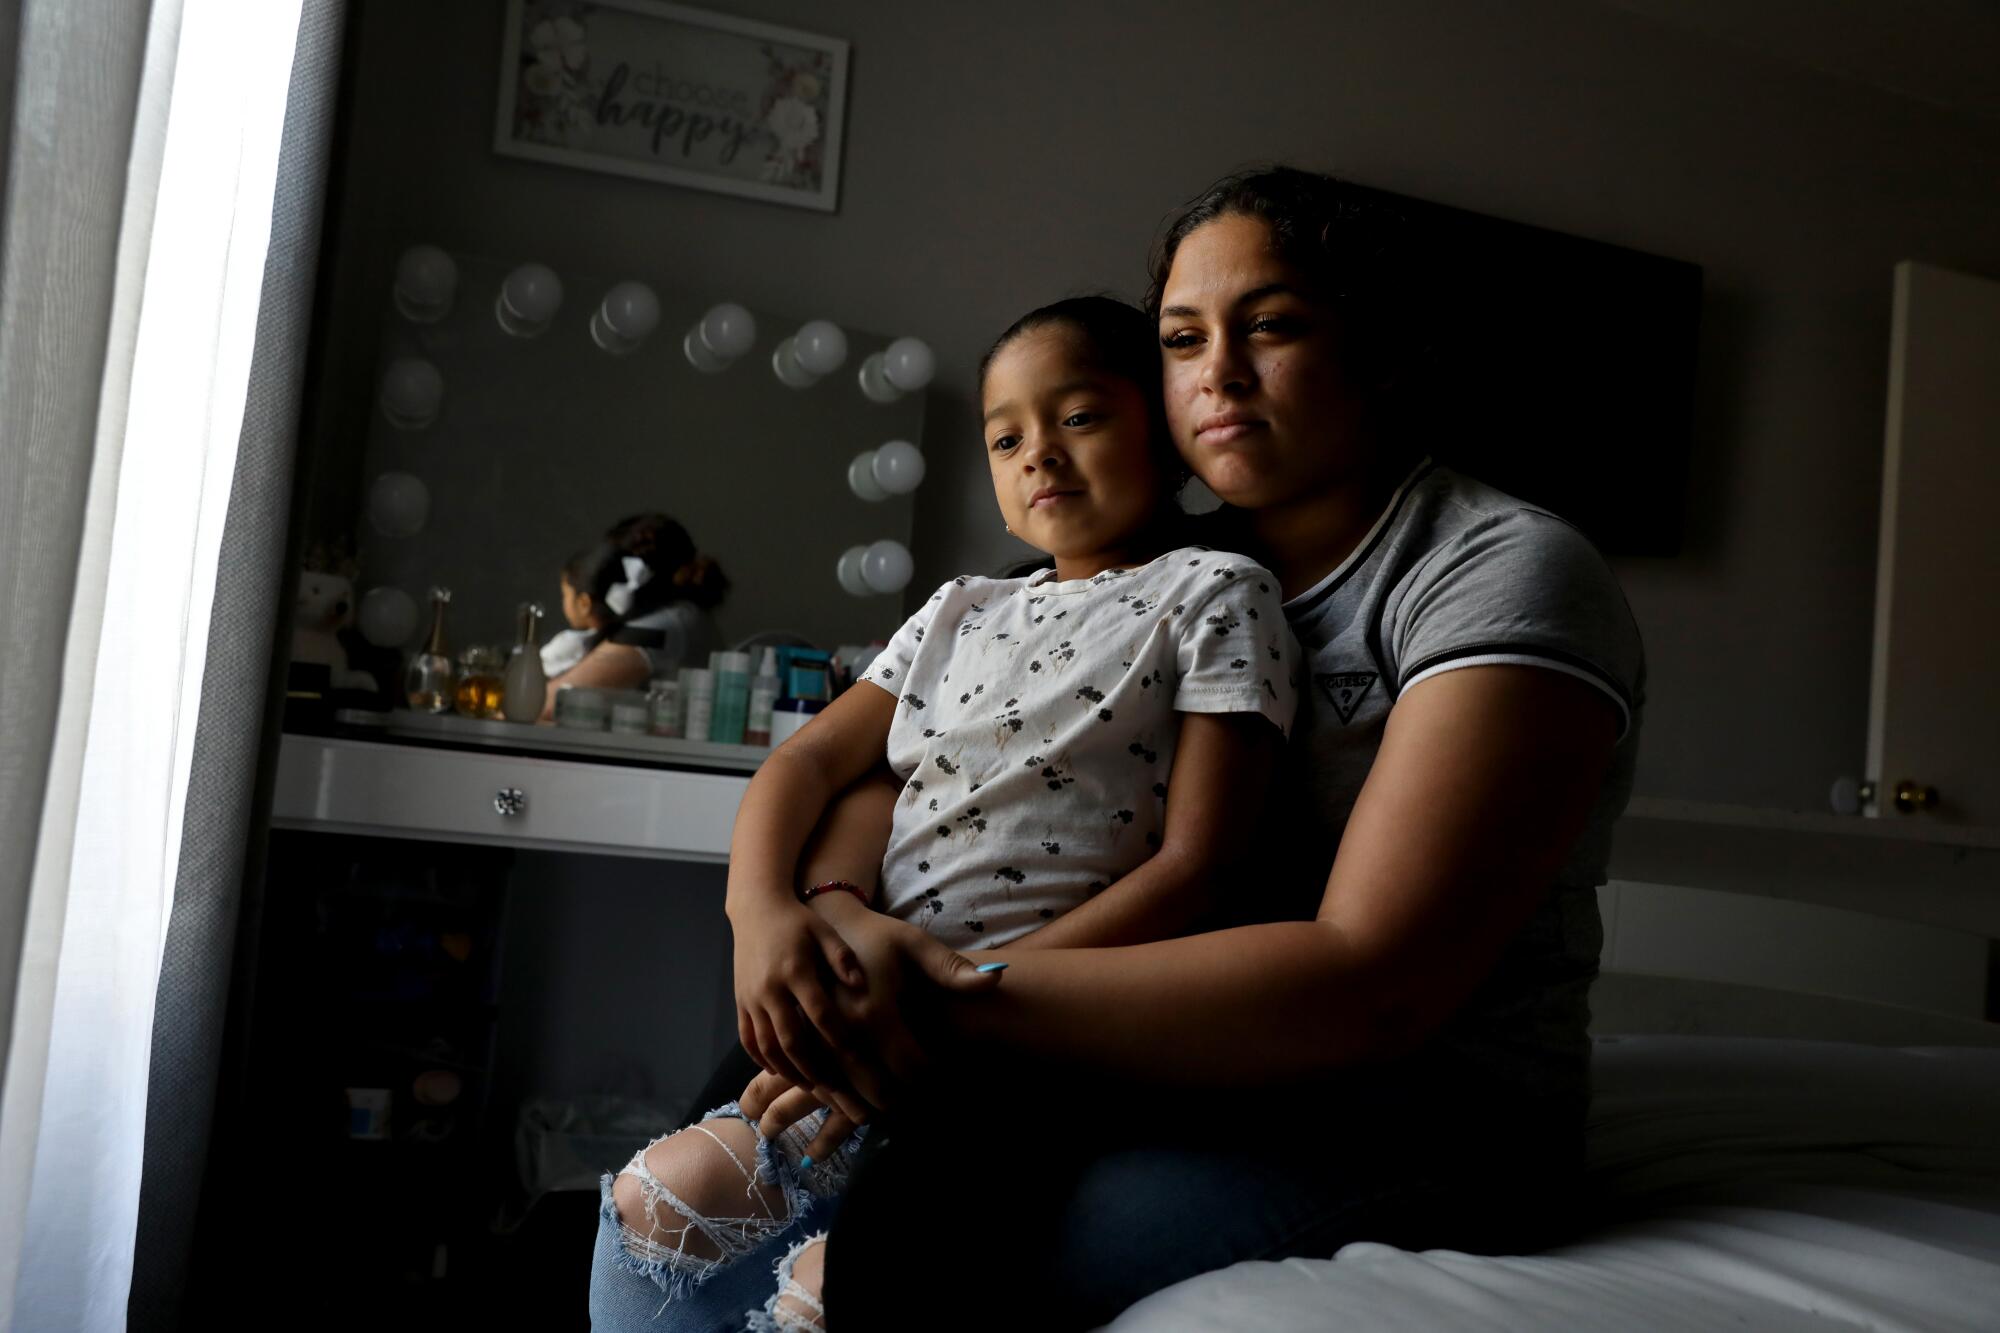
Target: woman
635 606
1409 1064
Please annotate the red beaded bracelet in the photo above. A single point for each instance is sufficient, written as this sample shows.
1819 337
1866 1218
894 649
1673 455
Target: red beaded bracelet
807 895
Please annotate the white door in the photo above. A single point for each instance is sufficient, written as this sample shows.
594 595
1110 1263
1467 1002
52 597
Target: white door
1934 706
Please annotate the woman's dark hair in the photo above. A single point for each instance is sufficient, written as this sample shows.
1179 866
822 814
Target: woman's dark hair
1116 339
680 573
1351 244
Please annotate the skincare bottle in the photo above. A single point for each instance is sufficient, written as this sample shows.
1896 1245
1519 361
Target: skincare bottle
630 712
791 714
807 676
732 698
583 708
763 693
667 716
698 694
428 683
526 687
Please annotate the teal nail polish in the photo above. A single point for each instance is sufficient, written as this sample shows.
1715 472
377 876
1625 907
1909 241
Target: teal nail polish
991 967
805 1163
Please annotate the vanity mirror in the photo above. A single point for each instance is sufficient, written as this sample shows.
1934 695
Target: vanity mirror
521 410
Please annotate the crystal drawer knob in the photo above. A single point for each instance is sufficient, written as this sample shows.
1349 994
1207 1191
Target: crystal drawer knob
509 801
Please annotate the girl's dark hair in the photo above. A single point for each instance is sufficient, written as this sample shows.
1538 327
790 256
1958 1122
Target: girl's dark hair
680 573
1354 247
1116 339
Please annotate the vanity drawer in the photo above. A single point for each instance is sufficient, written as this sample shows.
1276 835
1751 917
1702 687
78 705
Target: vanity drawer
417 792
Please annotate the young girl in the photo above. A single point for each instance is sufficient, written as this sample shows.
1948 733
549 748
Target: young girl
633 602
1083 751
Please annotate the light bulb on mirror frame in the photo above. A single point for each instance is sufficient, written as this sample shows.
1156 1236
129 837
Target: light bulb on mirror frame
412 391
728 330
528 300
820 347
698 355
861 477
848 571
625 318
398 504
908 365
874 382
886 566
387 617
897 467
785 365
905 366
426 282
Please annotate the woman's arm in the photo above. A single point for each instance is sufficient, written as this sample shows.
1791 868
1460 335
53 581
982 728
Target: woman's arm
608 666
1222 770
1484 780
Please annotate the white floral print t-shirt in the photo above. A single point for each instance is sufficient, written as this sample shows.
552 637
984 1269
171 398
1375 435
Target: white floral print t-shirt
1036 723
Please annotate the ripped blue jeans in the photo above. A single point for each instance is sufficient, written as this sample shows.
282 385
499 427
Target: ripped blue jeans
734 1279
1093 1225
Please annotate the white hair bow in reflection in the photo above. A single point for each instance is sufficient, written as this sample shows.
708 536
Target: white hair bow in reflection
637 575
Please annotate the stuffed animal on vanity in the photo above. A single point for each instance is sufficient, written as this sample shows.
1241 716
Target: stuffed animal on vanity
324 606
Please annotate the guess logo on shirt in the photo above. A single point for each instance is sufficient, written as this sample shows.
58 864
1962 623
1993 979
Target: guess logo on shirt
1345 691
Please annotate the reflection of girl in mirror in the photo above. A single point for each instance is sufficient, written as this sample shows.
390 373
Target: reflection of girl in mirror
634 602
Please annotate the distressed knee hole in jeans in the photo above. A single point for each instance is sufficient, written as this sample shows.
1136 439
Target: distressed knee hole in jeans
795 1307
692 1202
705 1196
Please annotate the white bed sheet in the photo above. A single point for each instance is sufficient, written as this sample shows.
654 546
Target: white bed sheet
1740 1183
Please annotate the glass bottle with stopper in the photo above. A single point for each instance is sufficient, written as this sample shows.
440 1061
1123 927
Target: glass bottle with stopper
428 683
480 669
527 685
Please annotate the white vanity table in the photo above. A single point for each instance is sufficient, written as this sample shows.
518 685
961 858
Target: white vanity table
538 912
454 779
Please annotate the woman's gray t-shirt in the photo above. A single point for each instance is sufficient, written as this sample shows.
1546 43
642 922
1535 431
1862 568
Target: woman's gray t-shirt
671 636
1457 574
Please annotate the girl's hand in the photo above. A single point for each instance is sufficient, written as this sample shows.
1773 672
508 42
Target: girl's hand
776 1106
782 954
878 1051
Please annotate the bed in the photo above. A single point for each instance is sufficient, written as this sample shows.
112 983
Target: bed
1772 1181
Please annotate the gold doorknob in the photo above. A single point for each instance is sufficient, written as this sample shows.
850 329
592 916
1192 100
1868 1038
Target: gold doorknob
1913 797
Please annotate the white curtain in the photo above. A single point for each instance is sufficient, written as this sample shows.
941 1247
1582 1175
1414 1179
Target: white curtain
183 316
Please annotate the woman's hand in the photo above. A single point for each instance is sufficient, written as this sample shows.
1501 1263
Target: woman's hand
777 1105
877 1050
785 1018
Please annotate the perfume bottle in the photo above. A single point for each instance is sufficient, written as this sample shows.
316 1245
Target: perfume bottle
527 685
428 683
480 667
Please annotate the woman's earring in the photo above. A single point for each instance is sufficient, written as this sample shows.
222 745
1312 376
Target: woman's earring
1010 531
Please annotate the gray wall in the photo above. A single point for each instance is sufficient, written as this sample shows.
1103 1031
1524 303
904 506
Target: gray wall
1000 155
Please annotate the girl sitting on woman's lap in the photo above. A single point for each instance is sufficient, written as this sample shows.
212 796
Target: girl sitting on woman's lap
1082 750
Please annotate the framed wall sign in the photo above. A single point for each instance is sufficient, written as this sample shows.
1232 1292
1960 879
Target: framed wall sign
668 93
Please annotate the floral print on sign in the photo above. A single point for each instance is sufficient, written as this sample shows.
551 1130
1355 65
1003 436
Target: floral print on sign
754 110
